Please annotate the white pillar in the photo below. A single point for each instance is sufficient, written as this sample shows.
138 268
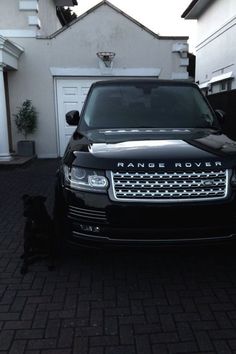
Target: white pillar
4 142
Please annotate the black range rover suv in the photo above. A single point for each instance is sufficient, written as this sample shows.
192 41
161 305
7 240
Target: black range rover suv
147 164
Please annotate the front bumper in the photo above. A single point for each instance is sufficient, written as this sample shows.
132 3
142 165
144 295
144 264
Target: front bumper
94 220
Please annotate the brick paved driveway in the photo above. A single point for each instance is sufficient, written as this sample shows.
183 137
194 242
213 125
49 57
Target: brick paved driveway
157 302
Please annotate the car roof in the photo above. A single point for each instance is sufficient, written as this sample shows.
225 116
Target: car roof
143 81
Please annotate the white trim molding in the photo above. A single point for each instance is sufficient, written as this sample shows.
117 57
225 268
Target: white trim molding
222 77
9 53
34 21
4 141
218 32
9 33
184 62
204 85
28 5
180 47
152 72
180 76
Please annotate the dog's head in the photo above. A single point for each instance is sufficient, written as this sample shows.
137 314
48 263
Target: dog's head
33 206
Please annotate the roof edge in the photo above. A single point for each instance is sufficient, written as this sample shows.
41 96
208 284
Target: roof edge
72 3
140 24
195 9
105 2
189 8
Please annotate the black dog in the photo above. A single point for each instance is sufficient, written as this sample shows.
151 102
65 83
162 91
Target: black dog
38 232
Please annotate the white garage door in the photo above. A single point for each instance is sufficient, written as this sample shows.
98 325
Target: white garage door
71 94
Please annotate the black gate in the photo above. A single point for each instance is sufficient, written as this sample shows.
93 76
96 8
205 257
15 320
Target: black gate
227 102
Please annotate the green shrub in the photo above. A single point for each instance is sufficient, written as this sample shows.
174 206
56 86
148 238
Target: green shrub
26 119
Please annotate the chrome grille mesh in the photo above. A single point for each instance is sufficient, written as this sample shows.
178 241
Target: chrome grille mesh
167 186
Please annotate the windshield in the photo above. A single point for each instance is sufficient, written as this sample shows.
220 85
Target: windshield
146 105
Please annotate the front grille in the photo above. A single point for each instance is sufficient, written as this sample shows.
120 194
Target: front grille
169 186
87 214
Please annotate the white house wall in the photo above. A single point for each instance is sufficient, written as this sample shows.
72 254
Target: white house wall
214 17
134 47
217 42
76 48
33 81
49 20
18 20
217 57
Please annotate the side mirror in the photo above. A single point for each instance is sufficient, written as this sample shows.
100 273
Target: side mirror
220 114
72 117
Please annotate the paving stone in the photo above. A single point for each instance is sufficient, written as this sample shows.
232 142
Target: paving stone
80 345
147 328
187 347
104 341
223 320
160 349
52 328
164 338
96 350
142 344
222 334
29 333
42 344
222 347
40 319
66 337
111 325
126 334
6 337
18 347
204 341
120 350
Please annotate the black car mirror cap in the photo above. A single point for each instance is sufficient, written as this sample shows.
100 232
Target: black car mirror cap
72 117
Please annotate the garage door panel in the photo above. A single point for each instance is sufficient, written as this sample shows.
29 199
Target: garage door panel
70 91
71 95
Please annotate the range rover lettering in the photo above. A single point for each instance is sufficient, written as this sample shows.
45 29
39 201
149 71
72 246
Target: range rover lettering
148 164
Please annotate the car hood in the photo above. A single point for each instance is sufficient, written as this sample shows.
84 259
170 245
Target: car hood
106 148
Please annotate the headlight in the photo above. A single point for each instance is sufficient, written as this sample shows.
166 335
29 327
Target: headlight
85 179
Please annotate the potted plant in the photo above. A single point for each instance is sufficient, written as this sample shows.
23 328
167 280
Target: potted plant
26 122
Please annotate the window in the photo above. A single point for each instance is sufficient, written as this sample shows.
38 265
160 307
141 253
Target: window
223 86
146 106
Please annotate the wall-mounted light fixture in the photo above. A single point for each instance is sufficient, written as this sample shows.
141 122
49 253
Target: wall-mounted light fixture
106 58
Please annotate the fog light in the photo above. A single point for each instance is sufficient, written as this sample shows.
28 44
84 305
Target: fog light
90 228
